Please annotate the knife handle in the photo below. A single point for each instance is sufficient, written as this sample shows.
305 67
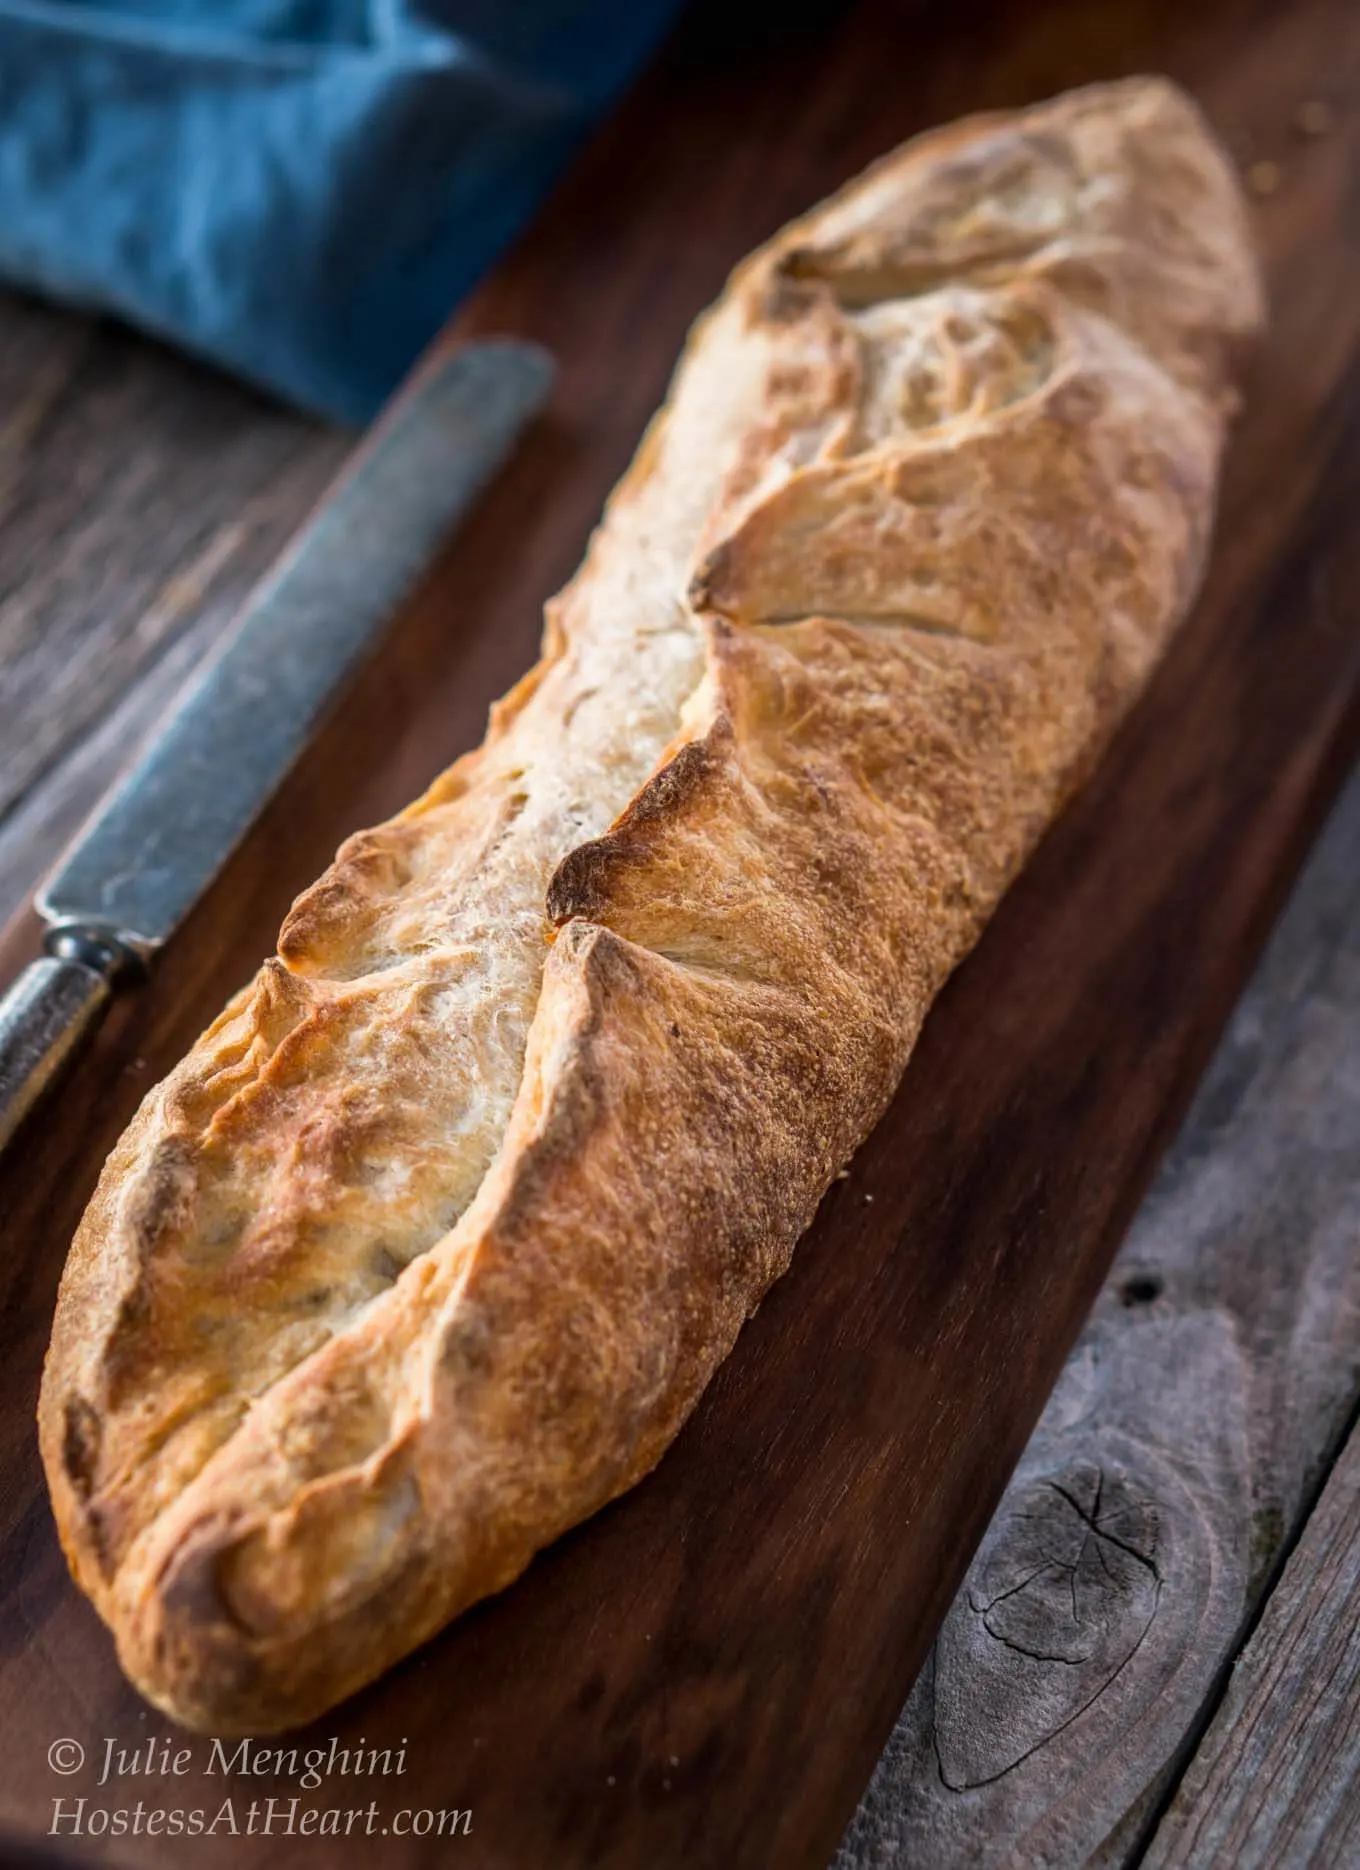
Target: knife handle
45 1017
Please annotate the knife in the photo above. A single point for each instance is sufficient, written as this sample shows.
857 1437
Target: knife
162 834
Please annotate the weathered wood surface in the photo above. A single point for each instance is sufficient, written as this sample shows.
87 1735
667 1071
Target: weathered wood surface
706 1673
1276 1783
1173 1462
140 497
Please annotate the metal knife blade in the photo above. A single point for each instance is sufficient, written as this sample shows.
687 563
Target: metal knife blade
160 837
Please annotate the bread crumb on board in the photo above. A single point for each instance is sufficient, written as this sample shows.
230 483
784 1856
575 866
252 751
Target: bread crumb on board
1314 117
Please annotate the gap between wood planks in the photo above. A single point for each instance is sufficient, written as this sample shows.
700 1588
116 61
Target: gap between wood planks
1276 1781
1172 1470
1100 1527
141 496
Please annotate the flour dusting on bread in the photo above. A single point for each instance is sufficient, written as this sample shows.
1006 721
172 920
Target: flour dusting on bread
430 1245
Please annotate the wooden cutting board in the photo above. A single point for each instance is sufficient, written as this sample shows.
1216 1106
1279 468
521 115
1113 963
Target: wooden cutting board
703 1675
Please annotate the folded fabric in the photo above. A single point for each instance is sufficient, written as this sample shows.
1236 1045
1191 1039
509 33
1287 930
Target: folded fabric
300 190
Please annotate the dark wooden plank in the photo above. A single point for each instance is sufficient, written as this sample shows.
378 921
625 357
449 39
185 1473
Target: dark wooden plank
140 497
1172 1465
706 1673
1276 1783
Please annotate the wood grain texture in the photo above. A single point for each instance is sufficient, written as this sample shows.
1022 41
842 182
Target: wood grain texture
1276 1782
140 497
1175 1458
705 1674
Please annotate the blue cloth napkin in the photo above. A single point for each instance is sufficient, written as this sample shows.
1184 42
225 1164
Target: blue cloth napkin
300 190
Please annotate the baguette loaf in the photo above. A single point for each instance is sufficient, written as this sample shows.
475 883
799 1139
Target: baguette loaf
430 1245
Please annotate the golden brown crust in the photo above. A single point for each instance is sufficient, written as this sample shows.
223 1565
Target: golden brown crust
434 1239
